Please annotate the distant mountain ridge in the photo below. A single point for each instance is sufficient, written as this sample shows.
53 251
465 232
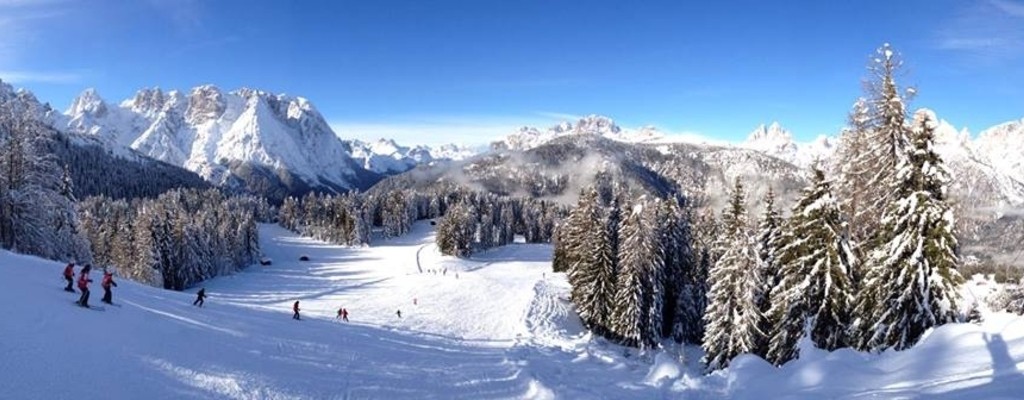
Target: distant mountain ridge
992 164
384 156
272 144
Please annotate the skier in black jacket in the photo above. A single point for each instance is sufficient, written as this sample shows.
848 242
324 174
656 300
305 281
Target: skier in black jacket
199 297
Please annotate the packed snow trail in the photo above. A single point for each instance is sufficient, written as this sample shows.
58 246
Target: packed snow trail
503 329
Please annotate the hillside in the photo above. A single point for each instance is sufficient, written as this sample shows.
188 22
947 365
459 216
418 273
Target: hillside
501 329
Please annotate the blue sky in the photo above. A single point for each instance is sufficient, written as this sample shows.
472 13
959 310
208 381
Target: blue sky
469 71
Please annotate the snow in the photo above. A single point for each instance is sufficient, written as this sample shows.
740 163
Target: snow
502 329
387 157
208 128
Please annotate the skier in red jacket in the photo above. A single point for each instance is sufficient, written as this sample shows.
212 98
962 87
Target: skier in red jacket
108 279
295 307
69 275
83 285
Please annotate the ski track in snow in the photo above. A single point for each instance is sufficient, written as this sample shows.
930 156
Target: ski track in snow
504 328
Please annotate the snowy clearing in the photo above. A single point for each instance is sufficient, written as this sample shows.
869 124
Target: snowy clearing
502 329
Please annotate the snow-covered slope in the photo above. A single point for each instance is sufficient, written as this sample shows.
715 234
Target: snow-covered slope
210 131
500 328
1003 148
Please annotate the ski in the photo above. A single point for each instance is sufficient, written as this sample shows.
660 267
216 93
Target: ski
94 308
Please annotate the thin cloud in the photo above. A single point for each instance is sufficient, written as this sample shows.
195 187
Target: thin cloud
20 23
989 32
437 130
1009 7
206 45
40 76
559 116
187 15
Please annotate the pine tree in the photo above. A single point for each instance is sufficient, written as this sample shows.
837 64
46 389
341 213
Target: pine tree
887 141
814 292
656 276
852 166
679 263
769 245
733 320
638 256
705 228
913 282
455 230
593 274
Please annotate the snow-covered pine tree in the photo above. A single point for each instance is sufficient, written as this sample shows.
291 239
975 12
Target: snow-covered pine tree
705 228
887 140
732 320
769 244
67 225
506 230
913 282
146 263
852 167
573 242
639 255
593 272
656 276
288 214
814 292
687 325
678 256
455 230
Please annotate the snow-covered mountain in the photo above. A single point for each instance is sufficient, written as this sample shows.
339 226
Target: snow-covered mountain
95 168
527 137
384 156
228 138
245 137
776 141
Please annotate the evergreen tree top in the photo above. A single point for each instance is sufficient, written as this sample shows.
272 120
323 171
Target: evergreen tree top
734 218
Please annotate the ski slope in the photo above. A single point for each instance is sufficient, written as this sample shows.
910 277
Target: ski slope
502 329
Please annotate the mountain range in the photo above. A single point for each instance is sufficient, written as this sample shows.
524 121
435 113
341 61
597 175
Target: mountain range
988 169
261 142
279 145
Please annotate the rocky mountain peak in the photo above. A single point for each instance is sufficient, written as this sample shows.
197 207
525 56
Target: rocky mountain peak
597 124
205 103
88 102
147 101
6 91
773 132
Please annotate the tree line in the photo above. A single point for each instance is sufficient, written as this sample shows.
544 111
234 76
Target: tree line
467 221
180 238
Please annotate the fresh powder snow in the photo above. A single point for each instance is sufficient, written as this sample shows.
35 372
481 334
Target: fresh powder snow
498 325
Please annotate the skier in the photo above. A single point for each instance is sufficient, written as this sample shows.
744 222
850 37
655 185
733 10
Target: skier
295 307
341 310
69 275
108 279
344 315
83 285
399 313
413 301
200 296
